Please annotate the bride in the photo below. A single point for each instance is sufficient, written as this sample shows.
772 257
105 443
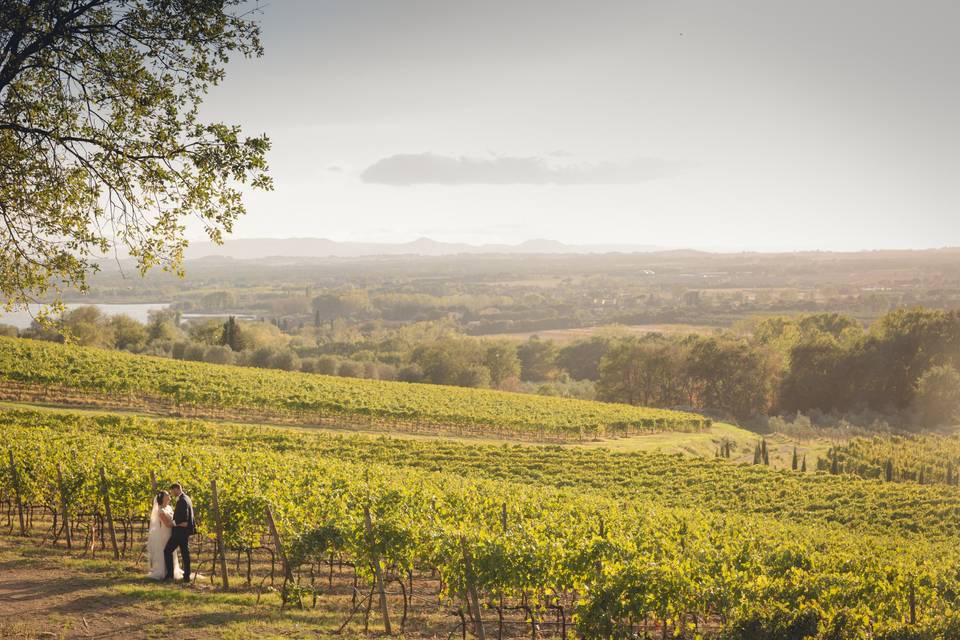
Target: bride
161 527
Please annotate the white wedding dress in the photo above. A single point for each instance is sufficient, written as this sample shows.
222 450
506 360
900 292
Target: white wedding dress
156 541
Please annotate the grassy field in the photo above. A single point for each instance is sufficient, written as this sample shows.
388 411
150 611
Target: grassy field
50 593
704 444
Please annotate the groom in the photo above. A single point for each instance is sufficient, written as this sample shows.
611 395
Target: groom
183 528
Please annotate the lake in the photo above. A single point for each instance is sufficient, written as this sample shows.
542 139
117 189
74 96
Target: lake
21 319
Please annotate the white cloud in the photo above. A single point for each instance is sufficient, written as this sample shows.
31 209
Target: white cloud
431 168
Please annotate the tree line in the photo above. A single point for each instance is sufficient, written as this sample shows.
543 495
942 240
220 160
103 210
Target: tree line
904 364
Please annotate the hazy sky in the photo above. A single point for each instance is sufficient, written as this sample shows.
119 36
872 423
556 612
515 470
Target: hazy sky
714 123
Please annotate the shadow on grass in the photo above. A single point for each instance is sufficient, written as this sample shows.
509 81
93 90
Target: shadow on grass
31 589
85 597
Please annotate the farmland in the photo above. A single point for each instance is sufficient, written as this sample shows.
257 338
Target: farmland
557 535
54 372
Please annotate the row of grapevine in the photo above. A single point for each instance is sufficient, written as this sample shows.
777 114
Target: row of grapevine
612 565
925 459
932 511
193 386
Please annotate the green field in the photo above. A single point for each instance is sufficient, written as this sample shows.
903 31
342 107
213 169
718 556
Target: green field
68 373
677 543
650 533
926 459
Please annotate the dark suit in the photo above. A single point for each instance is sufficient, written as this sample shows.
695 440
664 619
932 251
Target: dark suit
180 538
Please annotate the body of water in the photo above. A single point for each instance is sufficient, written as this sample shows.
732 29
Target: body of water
21 319
216 316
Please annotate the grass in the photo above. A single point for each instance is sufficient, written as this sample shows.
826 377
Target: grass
704 445
51 593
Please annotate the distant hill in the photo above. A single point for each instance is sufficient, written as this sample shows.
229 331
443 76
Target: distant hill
247 248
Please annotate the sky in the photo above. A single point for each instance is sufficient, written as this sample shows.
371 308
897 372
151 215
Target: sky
719 124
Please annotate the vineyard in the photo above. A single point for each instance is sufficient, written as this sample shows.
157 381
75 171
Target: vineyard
504 540
47 372
926 459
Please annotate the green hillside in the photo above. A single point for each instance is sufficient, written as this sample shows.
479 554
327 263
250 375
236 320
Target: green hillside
173 386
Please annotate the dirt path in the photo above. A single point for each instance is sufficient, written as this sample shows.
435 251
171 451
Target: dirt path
39 599
49 593
46 593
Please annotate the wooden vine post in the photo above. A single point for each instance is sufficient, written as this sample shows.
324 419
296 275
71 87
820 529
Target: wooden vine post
474 598
16 490
287 572
63 508
912 601
377 571
218 525
105 490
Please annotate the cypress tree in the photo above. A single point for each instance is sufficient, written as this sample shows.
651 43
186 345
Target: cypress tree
834 466
795 462
757 455
766 455
231 336
803 465
921 475
229 332
888 471
236 342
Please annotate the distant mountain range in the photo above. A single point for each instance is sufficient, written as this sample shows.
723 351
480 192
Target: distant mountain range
258 248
